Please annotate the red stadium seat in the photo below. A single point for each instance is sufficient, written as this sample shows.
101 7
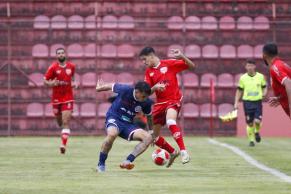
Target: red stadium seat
48 110
175 23
245 51
190 110
209 23
76 22
58 22
125 78
109 22
75 50
190 80
227 23
37 78
210 51
125 51
175 46
225 108
108 50
77 78
90 50
103 108
193 51
205 110
41 22
192 23
236 79
108 77
225 80
126 22
206 78
40 50
88 110
261 23
54 48
89 79
228 51
258 50
91 23
245 23
34 110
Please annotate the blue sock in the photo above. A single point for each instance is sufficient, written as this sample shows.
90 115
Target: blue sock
102 158
130 157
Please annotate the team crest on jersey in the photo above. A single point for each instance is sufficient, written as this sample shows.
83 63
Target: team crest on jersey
58 71
137 109
68 71
164 70
152 74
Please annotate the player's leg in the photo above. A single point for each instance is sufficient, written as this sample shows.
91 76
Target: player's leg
171 118
112 133
249 116
145 139
257 121
66 117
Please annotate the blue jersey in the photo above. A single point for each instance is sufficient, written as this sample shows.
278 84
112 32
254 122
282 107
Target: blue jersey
125 106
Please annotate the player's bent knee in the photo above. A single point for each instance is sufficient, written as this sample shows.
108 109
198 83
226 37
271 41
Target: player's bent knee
257 121
171 122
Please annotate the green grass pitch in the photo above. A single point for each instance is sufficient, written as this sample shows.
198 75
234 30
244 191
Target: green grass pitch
33 165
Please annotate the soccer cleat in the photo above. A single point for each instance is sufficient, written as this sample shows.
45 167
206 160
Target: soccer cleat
185 157
63 149
173 156
252 144
258 137
127 165
100 168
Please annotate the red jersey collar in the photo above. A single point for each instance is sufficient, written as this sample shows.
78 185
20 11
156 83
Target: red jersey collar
275 59
156 67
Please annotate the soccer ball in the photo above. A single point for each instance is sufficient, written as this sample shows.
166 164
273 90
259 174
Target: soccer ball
160 157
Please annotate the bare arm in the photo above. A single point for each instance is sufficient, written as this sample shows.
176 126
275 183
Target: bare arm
287 84
179 55
238 96
101 86
51 83
265 92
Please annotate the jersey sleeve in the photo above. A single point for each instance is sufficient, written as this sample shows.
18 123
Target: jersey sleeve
50 73
147 108
148 79
240 84
177 65
279 73
120 88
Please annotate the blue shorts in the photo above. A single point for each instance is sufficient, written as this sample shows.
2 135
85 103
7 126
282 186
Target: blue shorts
125 129
253 110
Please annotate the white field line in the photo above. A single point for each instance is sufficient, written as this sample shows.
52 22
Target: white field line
252 161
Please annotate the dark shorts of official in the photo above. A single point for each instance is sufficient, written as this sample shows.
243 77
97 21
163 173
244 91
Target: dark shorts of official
125 129
253 110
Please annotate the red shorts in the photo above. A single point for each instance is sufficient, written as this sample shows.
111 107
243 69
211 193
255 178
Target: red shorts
287 111
59 108
160 111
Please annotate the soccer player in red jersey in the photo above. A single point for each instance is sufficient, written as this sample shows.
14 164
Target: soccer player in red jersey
161 75
60 76
280 77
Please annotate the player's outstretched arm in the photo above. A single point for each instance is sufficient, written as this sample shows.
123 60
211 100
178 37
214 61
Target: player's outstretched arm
238 96
179 55
287 84
101 86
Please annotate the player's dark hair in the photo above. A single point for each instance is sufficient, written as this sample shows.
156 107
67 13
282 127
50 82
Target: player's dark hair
270 49
146 51
143 87
60 48
251 61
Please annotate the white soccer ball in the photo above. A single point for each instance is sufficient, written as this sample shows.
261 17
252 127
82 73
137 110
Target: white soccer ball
160 157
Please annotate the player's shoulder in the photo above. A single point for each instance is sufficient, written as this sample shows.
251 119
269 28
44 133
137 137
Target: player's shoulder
54 65
69 63
260 75
244 76
167 61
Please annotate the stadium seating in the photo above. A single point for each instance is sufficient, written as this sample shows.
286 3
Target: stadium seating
225 108
209 23
125 51
210 51
225 80
126 22
190 110
206 80
245 23
175 23
36 79
48 110
261 23
40 50
90 50
75 22
258 51
88 110
108 77
125 78
76 111
192 23
227 23
102 109
193 51
205 110
91 23
35 110
108 51
228 51
75 50
109 22
89 79
190 80
41 22
175 46
245 51
58 22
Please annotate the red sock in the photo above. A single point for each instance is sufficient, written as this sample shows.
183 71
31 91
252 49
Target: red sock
65 137
162 143
177 135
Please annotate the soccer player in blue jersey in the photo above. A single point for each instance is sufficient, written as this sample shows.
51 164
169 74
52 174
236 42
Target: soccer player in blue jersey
119 120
